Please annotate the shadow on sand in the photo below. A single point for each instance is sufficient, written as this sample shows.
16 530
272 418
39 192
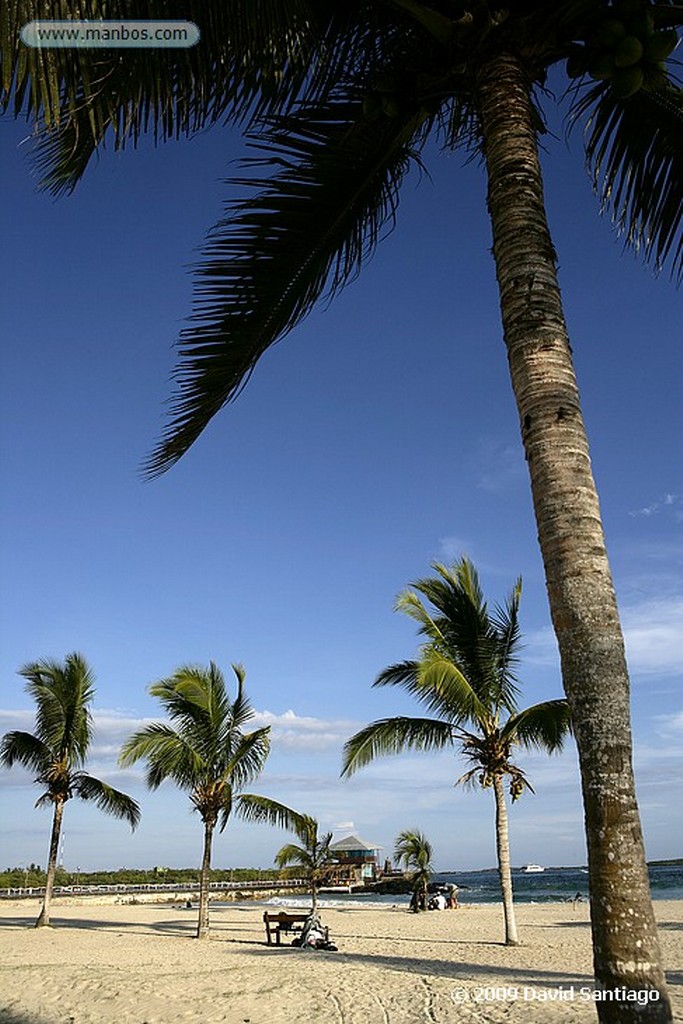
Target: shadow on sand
19 1017
455 969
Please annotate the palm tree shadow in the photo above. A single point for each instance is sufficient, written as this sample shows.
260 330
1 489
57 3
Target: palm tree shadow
178 927
565 924
19 1017
19 922
457 970
414 940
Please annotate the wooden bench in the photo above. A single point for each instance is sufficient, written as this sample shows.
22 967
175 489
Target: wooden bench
282 922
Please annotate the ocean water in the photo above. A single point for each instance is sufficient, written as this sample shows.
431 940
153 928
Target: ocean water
553 885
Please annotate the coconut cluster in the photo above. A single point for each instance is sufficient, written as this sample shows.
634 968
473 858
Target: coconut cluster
626 49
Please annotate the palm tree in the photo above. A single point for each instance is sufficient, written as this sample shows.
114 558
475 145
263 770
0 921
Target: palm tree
58 750
465 676
208 754
414 851
313 854
342 97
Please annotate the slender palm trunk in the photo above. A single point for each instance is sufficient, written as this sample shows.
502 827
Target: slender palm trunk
44 916
203 919
578 579
503 853
424 893
314 893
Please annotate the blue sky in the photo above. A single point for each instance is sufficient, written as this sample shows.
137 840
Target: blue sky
381 435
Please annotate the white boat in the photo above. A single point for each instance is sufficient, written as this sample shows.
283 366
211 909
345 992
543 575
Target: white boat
532 869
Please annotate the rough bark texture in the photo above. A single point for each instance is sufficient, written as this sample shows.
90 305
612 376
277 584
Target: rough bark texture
503 851
44 916
578 578
203 919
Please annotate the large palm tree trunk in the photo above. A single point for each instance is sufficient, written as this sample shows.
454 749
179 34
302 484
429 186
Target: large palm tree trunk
203 919
503 853
44 916
578 579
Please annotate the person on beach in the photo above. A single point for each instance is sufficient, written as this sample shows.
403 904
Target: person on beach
452 898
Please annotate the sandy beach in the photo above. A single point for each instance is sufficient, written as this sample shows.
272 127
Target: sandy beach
138 964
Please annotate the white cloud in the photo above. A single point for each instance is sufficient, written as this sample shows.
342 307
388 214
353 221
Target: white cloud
455 547
298 732
653 632
654 636
11 720
670 725
290 733
667 503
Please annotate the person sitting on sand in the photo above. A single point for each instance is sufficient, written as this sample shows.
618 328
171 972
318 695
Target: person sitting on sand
438 902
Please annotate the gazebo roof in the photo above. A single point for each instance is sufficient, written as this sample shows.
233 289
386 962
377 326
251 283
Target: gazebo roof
354 843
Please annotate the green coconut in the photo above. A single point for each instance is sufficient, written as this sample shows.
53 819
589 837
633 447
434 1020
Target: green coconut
629 51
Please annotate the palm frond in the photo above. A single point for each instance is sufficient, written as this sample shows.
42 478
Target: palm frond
291 854
463 630
542 726
403 673
106 798
250 59
242 710
62 694
168 755
435 681
227 802
448 691
470 778
394 736
25 749
307 229
262 809
505 623
187 692
410 604
248 758
412 848
634 152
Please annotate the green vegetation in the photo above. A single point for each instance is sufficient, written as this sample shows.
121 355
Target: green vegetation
413 851
58 749
208 754
336 144
465 676
311 859
34 876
